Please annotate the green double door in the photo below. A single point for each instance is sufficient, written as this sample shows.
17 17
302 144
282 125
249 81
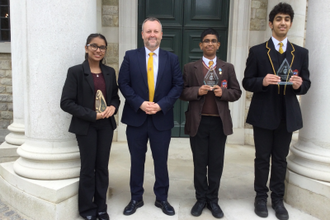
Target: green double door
183 22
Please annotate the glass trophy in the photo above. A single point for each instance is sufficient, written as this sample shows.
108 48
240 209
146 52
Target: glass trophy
211 78
285 73
100 103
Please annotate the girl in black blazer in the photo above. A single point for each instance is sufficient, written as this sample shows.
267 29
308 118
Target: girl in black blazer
94 131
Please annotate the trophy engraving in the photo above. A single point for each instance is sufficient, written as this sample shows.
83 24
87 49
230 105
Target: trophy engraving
100 103
211 78
285 73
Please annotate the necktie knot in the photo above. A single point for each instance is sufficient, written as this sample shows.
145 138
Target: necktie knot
211 63
280 50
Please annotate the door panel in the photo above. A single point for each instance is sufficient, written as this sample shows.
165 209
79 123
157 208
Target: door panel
183 22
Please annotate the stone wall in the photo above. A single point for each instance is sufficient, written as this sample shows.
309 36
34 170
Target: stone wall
6 98
259 17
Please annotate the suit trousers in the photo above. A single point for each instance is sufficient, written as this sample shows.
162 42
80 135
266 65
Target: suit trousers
137 138
94 176
208 148
271 144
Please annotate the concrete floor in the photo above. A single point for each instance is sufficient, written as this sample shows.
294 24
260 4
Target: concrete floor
236 195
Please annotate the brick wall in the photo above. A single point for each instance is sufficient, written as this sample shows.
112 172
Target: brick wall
6 98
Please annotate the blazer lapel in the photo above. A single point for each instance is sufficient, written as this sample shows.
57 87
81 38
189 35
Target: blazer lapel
88 75
219 70
199 72
107 79
161 66
142 64
290 53
272 56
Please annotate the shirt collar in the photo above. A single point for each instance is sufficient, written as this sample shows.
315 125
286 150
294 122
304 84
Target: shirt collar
276 42
206 61
156 52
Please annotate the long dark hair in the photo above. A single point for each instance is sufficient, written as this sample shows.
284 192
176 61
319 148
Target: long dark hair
91 37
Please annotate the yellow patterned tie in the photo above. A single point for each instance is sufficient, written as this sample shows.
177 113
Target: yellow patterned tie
210 63
151 83
281 48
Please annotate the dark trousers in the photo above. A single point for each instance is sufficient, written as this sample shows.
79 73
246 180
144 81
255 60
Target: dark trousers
271 144
137 138
208 148
94 177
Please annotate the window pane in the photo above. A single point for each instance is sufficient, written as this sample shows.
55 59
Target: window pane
4 2
5 23
5 35
4 12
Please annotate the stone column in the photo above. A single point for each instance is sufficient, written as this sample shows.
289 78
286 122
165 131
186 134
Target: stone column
55 37
309 163
127 41
19 55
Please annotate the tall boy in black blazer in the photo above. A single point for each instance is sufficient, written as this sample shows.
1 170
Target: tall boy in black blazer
274 111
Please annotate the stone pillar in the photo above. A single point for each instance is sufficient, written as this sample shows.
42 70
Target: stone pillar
308 176
19 55
127 41
55 36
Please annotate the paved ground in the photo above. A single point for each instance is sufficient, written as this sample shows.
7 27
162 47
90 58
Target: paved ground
7 212
236 191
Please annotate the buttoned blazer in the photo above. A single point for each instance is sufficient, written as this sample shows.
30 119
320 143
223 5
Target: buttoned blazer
78 96
193 79
133 84
265 108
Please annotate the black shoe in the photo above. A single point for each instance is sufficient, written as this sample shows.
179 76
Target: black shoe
215 209
197 209
260 207
280 211
90 217
103 216
132 206
166 207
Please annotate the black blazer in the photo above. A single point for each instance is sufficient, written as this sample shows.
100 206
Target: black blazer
265 108
78 96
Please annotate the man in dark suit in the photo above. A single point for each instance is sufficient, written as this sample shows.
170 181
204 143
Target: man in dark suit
151 81
274 110
208 120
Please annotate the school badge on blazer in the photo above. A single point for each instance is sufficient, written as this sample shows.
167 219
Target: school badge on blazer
100 103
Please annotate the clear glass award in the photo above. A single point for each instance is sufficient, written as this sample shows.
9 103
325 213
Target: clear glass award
211 78
100 103
285 73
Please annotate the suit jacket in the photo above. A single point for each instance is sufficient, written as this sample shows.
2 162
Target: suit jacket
193 79
78 96
265 110
134 86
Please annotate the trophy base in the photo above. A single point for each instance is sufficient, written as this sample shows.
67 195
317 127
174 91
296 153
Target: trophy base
285 83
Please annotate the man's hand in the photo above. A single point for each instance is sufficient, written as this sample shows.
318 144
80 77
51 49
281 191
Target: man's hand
204 89
150 108
271 79
297 81
217 90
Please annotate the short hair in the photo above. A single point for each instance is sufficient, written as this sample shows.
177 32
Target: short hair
281 8
209 31
152 19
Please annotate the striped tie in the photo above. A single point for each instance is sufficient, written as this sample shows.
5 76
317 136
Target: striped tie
151 83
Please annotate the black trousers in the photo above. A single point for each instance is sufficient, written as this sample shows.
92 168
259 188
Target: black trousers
272 144
137 139
94 177
208 148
